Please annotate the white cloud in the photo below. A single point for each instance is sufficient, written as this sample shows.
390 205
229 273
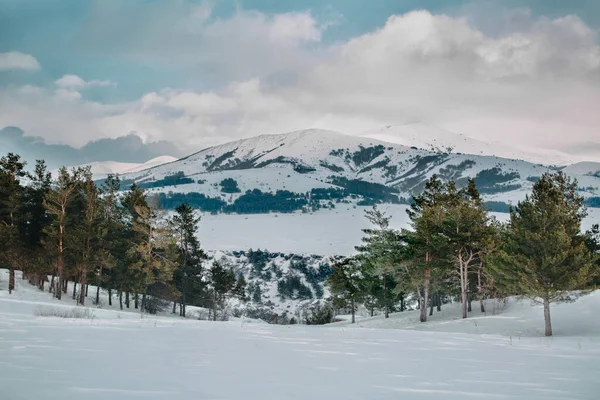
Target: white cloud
17 60
75 82
535 83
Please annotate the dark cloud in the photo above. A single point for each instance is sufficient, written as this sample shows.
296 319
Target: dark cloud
128 148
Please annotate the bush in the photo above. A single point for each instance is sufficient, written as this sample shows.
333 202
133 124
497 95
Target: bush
154 305
229 185
319 314
64 312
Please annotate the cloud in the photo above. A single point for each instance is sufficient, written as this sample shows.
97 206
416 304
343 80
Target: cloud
535 82
75 82
17 60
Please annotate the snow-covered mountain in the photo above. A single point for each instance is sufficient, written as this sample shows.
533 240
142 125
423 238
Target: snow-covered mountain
440 140
364 168
101 169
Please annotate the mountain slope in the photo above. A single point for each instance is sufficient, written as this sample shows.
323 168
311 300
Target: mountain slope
100 169
364 170
440 140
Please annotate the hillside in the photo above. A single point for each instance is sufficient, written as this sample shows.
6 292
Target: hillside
440 140
321 168
101 169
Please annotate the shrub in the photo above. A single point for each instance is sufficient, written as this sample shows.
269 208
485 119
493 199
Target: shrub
64 312
154 305
319 314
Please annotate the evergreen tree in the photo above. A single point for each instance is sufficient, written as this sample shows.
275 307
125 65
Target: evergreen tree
544 256
90 231
380 256
188 274
110 235
469 232
223 281
11 198
427 245
347 283
153 261
35 223
57 204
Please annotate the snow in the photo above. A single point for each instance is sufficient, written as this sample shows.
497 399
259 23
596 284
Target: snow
429 137
322 150
101 169
324 232
129 357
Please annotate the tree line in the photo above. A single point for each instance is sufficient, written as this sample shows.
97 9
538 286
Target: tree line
454 249
69 229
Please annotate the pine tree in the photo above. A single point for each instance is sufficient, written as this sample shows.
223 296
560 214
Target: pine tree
110 235
381 256
347 282
223 281
11 198
188 274
153 262
57 204
91 219
544 256
425 240
35 224
470 234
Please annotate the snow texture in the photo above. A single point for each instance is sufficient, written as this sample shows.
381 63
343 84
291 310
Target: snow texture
119 355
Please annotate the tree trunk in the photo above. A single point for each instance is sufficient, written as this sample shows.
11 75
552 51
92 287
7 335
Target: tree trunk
87 286
402 303
480 289
98 282
52 283
464 284
127 299
470 297
353 311
109 296
423 316
136 301
65 285
11 280
547 322
431 300
121 299
74 290
174 307
438 300
83 286
143 308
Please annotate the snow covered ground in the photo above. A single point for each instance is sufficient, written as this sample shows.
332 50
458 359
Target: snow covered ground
324 232
119 355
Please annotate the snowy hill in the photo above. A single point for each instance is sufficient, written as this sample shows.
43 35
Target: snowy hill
440 140
101 169
364 168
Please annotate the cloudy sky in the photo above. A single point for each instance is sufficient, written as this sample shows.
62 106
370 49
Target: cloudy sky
205 72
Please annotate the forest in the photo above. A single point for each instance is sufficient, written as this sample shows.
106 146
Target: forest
454 250
70 229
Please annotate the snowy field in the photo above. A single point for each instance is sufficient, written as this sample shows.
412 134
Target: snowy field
119 355
324 232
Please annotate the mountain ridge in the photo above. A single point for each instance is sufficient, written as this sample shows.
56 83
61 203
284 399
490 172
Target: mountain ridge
303 160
